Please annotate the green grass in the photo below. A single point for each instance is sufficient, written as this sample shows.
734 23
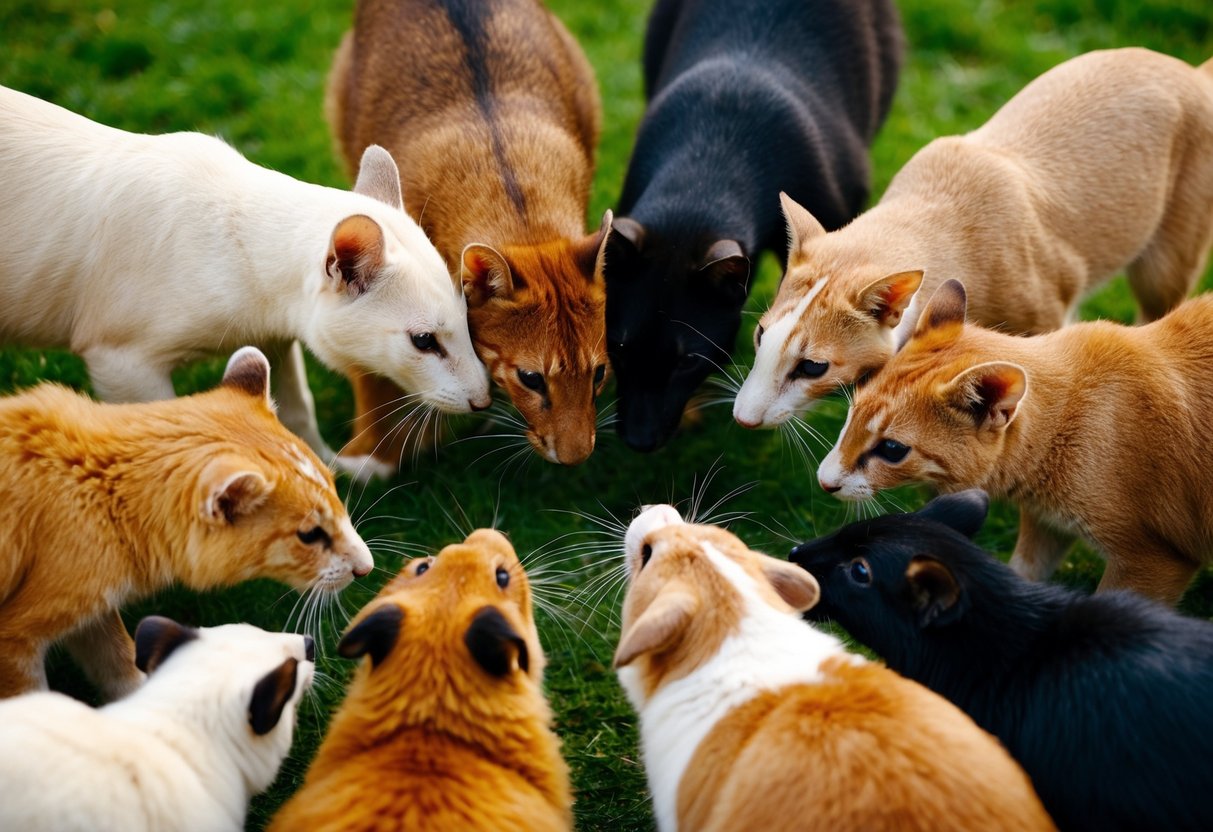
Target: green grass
254 72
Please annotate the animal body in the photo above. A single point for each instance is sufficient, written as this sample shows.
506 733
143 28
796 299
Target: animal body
102 504
745 100
1101 164
492 110
445 725
1076 427
1103 699
141 252
751 719
184 753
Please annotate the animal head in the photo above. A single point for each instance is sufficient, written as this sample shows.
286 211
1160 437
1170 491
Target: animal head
831 324
673 311
387 304
939 412
261 504
456 624
244 683
888 579
688 588
537 318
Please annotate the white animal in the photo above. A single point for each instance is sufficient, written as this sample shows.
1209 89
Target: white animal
184 753
140 252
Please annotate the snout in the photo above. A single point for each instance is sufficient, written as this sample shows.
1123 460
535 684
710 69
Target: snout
356 553
650 519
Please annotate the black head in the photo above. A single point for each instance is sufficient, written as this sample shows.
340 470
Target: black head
889 578
673 311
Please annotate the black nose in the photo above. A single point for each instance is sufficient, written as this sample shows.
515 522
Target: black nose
797 551
309 648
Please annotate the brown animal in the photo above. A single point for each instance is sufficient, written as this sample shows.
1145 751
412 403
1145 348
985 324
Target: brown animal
492 111
752 719
445 726
1101 164
1093 430
104 503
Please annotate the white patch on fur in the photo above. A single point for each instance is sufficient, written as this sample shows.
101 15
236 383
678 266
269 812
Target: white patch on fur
306 468
909 318
767 398
770 650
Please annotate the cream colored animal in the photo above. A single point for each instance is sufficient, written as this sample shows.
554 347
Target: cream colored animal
141 252
1101 164
1095 430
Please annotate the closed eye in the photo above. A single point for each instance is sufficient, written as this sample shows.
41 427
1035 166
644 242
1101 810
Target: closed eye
316 534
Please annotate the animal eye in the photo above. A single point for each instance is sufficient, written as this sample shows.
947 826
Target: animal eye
503 577
758 336
313 535
532 380
809 369
599 374
890 450
860 572
645 554
426 342
422 568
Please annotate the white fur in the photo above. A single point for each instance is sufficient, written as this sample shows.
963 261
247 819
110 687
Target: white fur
178 754
141 252
768 397
771 649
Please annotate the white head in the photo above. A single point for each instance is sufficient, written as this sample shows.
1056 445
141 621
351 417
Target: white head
235 685
388 303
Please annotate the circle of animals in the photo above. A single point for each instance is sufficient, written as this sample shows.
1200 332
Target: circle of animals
459 264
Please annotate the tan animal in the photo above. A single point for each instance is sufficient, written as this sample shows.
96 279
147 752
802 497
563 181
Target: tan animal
101 504
752 719
1101 164
492 111
1093 430
445 726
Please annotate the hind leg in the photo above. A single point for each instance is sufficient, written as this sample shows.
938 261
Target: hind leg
1039 548
296 408
1149 567
106 654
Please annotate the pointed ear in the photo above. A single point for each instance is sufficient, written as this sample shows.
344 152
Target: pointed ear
374 635
963 511
934 592
727 269
249 370
946 308
989 393
270 696
485 274
794 585
802 226
590 251
156 638
494 644
379 178
355 254
887 298
231 487
658 627
627 235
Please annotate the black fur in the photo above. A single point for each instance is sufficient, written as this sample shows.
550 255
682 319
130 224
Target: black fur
376 634
1106 700
270 696
156 637
490 639
746 100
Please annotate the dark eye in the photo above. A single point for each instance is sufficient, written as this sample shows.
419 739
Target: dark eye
313 535
426 342
599 374
645 554
859 572
758 336
422 568
810 369
890 450
503 577
531 380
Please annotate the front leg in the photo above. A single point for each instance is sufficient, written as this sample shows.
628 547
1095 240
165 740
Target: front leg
125 375
1039 548
296 408
1149 566
106 654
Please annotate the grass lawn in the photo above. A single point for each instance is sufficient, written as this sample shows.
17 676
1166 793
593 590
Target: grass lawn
254 73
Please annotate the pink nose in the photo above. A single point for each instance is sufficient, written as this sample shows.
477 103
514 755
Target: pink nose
745 423
829 489
361 570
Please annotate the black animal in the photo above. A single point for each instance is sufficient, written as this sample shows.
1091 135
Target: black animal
746 99
1105 700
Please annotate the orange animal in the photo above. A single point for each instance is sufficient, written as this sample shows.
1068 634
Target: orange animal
1093 430
104 503
492 111
752 719
445 726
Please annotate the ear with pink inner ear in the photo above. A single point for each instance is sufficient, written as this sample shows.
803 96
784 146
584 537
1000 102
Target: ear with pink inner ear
355 254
